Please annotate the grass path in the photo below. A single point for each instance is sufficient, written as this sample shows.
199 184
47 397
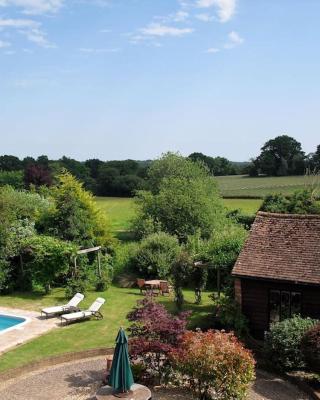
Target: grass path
88 334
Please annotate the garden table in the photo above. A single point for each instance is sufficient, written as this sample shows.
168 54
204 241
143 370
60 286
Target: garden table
152 285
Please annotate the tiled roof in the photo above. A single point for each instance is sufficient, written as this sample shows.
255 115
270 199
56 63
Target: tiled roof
282 247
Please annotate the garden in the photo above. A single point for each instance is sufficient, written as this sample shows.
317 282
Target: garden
181 232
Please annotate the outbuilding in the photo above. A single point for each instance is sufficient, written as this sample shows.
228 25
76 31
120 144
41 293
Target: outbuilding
277 273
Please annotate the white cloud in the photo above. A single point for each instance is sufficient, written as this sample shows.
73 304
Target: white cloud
30 29
204 17
105 31
212 50
155 29
39 38
90 50
235 37
34 6
234 40
225 8
18 23
180 16
4 44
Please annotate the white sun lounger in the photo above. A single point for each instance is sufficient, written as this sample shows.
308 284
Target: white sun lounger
93 311
71 306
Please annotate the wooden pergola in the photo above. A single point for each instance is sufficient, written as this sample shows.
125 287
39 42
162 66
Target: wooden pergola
90 250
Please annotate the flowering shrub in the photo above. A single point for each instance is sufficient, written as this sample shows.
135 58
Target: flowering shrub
310 346
154 333
214 365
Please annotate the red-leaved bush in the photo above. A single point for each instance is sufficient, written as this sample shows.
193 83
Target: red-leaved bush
310 346
154 333
214 365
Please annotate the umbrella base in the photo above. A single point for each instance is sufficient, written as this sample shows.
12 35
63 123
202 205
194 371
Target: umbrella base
137 392
124 395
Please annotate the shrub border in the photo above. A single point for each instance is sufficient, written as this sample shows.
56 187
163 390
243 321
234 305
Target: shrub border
53 361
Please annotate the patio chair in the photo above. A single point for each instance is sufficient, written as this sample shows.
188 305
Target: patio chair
93 311
142 285
72 306
165 288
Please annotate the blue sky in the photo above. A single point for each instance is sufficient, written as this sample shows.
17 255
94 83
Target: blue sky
122 79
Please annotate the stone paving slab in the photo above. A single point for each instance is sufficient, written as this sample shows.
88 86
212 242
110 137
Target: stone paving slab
80 381
35 326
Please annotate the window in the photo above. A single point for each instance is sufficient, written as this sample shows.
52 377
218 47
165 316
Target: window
283 304
274 306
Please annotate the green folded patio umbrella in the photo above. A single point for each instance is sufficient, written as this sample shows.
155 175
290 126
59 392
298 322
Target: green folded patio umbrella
121 378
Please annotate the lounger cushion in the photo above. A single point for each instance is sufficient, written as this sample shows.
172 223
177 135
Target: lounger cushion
54 310
95 306
76 300
76 315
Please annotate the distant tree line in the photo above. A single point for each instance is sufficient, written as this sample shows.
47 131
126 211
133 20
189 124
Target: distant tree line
102 178
280 156
283 156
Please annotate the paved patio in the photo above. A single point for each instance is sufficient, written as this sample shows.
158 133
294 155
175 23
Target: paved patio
80 381
35 326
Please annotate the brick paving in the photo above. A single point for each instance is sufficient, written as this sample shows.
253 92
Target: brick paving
80 381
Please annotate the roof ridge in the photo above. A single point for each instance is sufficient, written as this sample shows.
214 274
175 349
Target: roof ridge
287 216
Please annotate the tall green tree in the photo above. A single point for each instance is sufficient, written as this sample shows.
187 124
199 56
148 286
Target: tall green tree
183 200
218 166
10 163
281 156
75 217
315 160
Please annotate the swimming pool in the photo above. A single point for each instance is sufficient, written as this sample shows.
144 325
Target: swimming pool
8 322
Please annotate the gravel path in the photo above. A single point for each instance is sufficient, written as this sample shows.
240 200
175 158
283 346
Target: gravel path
80 380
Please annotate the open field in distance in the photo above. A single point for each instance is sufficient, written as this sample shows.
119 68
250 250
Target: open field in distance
121 211
245 186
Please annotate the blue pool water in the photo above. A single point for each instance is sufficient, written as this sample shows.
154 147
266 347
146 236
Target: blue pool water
7 321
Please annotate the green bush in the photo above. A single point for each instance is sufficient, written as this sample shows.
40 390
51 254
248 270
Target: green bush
103 281
46 258
310 347
229 315
12 178
123 259
283 343
299 202
75 285
156 254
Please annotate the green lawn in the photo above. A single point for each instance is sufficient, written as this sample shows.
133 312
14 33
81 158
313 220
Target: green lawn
88 334
240 185
120 211
247 206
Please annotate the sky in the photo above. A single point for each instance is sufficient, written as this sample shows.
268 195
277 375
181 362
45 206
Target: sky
118 79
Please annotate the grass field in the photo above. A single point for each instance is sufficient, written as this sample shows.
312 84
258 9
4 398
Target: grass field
89 334
120 211
243 186
247 206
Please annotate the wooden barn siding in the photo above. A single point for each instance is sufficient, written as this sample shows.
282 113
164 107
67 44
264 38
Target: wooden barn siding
255 301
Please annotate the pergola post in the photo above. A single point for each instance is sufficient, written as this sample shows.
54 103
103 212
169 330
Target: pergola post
99 264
